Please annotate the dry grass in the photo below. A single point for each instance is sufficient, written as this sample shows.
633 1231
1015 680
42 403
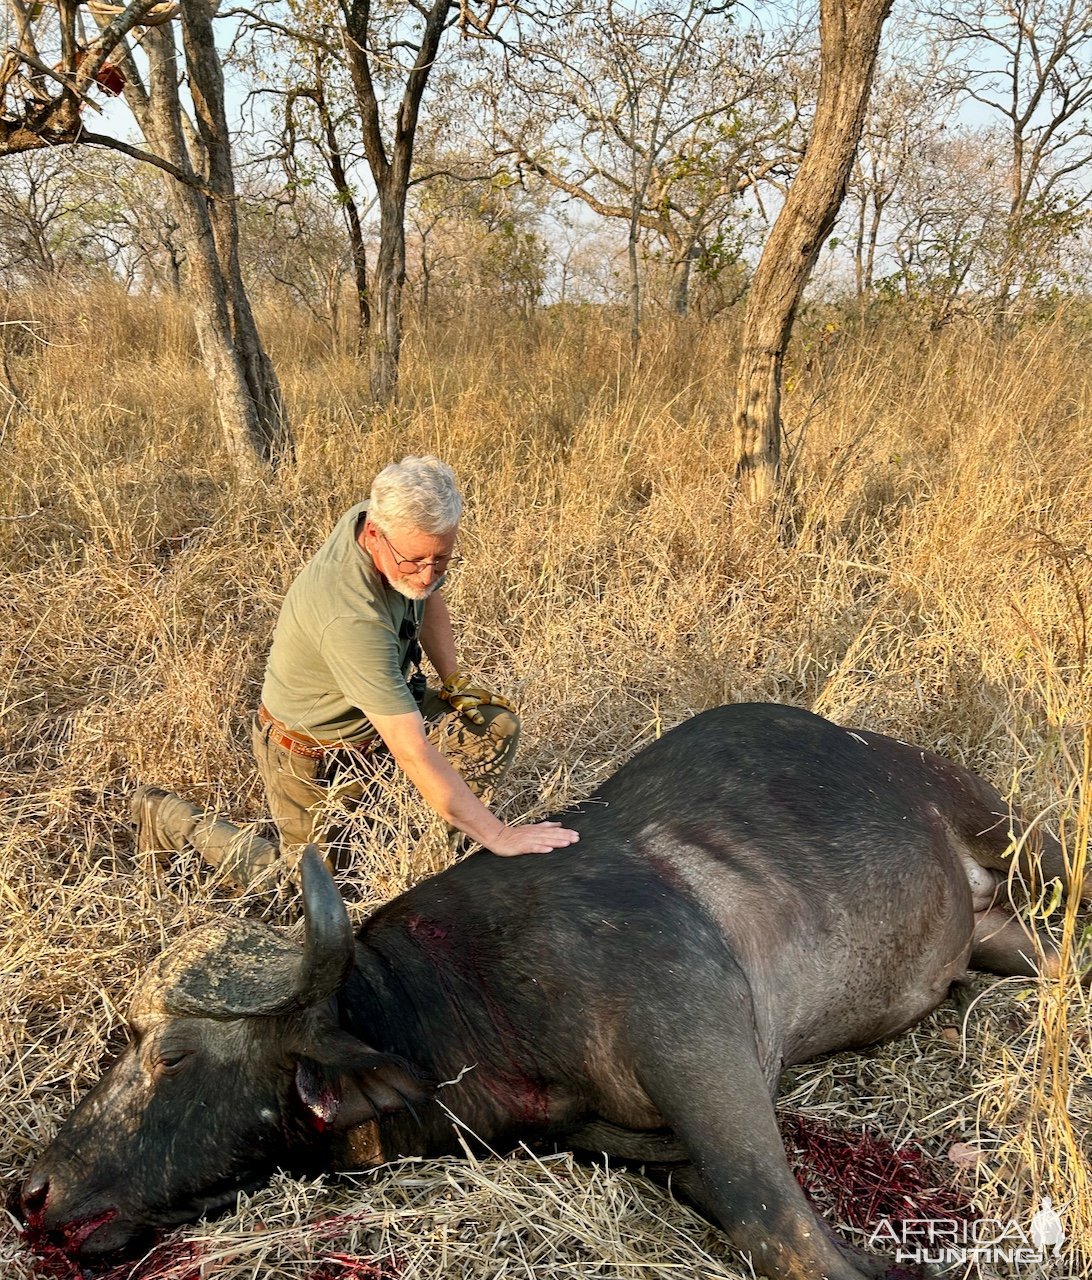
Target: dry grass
934 584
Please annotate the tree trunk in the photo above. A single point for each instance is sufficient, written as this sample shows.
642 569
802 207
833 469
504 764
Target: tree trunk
389 278
634 294
859 241
268 425
391 173
874 227
360 279
336 164
426 278
160 117
849 32
174 269
678 298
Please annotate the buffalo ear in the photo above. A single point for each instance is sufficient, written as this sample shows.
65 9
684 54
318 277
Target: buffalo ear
342 1084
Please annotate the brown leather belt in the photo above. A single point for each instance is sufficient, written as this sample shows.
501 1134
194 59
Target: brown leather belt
310 748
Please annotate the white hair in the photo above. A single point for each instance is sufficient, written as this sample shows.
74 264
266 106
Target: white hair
417 493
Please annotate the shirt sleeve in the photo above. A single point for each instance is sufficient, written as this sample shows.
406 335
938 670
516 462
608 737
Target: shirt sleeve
363 657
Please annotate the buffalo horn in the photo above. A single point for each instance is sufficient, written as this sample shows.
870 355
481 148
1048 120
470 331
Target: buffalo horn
328 946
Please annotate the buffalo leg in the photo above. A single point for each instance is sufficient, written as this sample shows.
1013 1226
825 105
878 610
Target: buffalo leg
983 818
618 1143
712 1093
1039 859
1003 944
684 1182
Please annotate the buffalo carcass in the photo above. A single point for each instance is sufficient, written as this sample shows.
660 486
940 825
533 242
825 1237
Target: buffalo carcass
757 887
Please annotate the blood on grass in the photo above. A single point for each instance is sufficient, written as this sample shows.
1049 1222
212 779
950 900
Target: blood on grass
181 1260
172 1260
862 1179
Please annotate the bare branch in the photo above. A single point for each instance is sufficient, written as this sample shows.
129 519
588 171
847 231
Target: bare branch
148 157
266 23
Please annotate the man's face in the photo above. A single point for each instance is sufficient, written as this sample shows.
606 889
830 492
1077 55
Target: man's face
411 561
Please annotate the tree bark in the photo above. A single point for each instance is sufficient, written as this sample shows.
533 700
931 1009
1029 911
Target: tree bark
246 436
361 288
634 293
335 162
678 299
57 124
267 424
390 169
389 279
174 266
849 33
426 280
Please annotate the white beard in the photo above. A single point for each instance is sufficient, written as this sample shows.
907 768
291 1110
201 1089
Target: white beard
412 592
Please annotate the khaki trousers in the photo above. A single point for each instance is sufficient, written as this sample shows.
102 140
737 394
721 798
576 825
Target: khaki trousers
304 794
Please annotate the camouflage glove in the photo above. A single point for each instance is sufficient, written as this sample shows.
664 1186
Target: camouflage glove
466 697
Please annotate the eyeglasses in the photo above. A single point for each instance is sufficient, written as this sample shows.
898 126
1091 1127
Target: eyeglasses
441 564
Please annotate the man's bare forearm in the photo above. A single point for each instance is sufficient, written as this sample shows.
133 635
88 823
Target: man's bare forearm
443 790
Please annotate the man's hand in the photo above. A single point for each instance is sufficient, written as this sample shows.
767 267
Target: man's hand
466 697
537 837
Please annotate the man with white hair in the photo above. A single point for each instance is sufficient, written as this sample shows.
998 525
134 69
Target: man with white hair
343 685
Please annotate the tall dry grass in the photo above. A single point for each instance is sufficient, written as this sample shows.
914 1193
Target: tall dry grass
932 581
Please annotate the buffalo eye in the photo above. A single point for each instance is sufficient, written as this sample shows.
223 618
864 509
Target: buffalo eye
171 1062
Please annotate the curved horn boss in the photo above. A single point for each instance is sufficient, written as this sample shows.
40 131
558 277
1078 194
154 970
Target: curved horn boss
241 968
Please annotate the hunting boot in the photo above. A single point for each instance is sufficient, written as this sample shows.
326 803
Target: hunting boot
165 821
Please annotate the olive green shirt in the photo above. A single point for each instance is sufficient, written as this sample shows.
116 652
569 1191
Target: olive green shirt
341 648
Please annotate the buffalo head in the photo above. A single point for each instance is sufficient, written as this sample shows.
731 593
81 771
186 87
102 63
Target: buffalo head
235 1066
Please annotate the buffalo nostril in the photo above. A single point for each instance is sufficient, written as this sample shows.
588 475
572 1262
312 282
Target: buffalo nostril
35 1194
